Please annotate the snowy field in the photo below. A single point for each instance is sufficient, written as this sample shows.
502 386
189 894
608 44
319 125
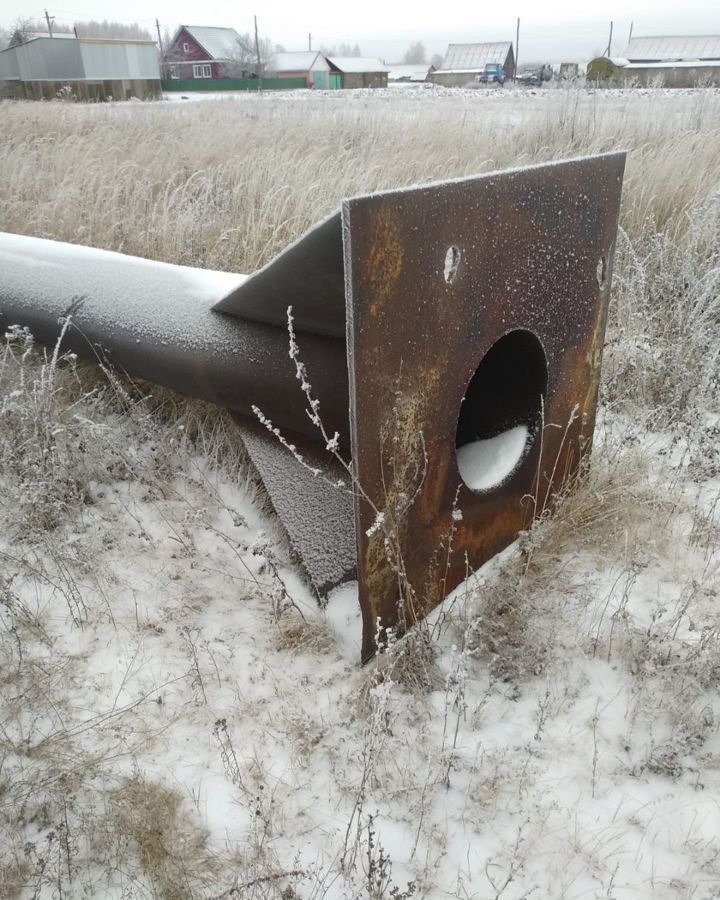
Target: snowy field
179 718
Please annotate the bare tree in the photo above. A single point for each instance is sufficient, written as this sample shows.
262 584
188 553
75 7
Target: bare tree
5 37
437 60
415 54
25 28
243 59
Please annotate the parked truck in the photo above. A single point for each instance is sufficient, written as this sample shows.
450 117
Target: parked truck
493 73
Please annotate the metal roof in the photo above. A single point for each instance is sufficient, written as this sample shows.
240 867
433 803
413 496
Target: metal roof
351 65
475 56
219 43
34 35
676 64
409 72
669 47
298 61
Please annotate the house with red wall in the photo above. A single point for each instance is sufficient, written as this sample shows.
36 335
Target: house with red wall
205 52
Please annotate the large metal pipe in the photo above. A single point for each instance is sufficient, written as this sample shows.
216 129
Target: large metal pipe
156 321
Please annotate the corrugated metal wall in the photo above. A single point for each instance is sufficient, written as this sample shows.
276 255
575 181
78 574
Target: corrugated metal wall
46 58
9 65
103 60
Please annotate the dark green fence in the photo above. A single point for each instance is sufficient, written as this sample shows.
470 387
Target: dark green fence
232 84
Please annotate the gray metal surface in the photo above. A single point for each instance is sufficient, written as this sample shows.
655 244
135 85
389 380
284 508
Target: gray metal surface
110 60
155 321
46 59
673 47
308 274
475 56
50 59
9 65
316 512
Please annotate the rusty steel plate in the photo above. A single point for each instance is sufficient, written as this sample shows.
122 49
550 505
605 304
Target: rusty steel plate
507 276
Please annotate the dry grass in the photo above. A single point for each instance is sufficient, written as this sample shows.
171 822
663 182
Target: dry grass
226 184
150 819
298 633
609 509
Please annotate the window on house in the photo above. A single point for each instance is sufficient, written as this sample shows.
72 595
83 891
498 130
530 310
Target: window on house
207 71
173 72
186 48
197 71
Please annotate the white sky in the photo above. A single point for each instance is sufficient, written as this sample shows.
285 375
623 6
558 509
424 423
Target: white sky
552 31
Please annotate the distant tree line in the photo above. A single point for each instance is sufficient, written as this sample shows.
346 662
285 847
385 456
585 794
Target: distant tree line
342 50
23 28
113 30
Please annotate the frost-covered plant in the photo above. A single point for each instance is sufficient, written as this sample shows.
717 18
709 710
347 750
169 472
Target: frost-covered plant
663 343
387 521
377 866
45 432
62 433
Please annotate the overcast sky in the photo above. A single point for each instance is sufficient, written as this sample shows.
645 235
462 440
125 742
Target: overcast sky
552 30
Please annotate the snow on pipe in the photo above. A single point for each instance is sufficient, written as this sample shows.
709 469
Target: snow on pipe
157 321
452 332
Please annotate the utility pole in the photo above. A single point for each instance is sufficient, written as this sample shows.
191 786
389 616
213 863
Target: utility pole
257 54
157 25
609 46
309 41
49 19
517 47
630 35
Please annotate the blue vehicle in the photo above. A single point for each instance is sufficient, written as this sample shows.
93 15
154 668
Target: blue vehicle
492 74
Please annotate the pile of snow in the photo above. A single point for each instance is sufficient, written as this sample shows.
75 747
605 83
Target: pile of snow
485 464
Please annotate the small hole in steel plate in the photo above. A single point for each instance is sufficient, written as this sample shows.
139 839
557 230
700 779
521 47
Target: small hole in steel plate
452 263
601 272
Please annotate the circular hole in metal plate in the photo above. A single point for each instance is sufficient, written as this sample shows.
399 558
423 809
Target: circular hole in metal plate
501 412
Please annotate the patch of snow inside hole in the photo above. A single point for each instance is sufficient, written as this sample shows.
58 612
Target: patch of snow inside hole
486 463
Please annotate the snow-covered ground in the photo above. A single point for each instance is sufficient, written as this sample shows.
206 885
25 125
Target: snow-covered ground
553 730
422 92
178 716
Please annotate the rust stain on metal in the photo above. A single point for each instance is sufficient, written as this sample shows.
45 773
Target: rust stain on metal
385 261
403 440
